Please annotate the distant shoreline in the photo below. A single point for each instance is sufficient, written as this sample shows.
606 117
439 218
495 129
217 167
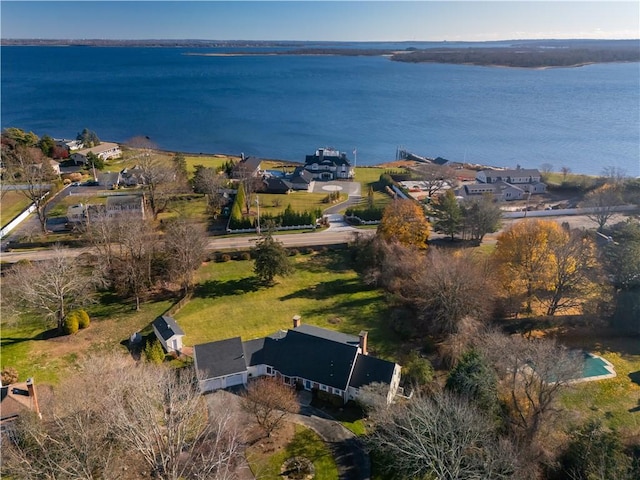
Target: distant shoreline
529 54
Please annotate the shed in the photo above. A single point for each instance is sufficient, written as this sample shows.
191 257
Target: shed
169 333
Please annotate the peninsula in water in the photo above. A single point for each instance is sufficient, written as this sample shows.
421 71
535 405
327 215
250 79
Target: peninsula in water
516 53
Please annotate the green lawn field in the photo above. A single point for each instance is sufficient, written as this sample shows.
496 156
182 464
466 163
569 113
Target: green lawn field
323 289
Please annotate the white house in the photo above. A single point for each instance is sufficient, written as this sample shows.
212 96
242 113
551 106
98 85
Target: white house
169 333
329 164
309 357
104 151
515 176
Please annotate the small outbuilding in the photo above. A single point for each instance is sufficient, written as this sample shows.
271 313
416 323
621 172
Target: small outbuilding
169 333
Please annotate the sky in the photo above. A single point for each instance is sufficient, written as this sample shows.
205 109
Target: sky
450 20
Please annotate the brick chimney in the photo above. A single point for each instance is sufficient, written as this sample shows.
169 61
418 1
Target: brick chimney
363 341
296 321
34 398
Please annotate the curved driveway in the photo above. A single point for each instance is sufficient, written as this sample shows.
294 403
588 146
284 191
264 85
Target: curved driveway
351 459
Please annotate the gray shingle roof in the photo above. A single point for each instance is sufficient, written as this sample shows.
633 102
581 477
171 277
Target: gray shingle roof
369 370
311 357
167 327
217 359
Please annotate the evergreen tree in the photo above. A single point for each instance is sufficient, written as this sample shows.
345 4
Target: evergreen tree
474 379
448 214
270 258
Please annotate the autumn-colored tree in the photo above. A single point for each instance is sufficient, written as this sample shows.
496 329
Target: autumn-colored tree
522 255
546 262
269 401
404 221
572 264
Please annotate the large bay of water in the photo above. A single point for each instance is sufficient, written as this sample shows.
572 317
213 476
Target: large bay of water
284 107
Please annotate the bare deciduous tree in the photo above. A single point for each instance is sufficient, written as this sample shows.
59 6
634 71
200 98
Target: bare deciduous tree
601 203
454 286
51 287
435 177
209 182
185 244
532 372
150 416
269 401
168 423
159 180
132 264
442 437
29 168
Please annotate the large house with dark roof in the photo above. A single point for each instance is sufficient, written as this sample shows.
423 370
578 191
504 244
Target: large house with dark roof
329 164
310 357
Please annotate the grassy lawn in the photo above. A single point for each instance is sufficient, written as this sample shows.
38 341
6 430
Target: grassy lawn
30 347
273 204
324 290
305 443
212 161
615 401
11 205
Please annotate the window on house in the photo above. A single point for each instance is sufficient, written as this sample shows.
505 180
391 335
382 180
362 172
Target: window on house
337 392
269 371
324 388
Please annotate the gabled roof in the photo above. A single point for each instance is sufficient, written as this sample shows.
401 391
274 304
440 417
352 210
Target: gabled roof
217 359
328 334
167 327
250 164
14 399
518 172
301 176
277 185
369 370
308 356
329 157
313 353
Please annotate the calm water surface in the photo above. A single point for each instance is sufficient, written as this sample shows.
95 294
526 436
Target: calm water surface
286 106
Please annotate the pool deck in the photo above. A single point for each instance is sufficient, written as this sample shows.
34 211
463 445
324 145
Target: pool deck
608 366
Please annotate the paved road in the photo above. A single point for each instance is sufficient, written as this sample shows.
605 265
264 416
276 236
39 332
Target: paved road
337 233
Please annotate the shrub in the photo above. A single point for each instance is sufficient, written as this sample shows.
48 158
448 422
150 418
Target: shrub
9 375
82 318
293 252
153 352
71 323
225 257
245 256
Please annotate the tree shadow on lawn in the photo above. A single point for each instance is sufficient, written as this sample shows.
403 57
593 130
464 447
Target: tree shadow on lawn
325 290
304 444
49 334
330 261
635 378
216 288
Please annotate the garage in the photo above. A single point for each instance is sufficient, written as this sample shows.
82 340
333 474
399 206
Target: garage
211 384
233 380
220 364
